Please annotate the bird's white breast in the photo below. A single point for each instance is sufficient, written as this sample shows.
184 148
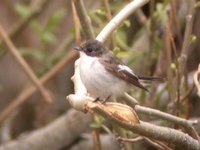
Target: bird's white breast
99 82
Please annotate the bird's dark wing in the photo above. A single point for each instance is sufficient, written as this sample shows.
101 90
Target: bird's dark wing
116 67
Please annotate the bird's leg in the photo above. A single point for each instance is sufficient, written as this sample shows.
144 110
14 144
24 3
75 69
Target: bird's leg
97 99
106 99
102 101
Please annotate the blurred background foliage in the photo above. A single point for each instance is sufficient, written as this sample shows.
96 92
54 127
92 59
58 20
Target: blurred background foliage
49 35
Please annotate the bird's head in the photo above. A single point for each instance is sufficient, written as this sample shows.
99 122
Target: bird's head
92 48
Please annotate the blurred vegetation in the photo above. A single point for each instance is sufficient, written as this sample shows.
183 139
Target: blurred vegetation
140 41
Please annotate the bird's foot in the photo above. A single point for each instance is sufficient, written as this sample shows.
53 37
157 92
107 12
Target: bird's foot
97 99
102 101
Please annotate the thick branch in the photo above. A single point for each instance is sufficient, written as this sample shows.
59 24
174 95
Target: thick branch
165 134
60 133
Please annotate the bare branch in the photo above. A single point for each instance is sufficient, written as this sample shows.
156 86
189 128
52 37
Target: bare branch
58 134
24 65
156 132
121 16
84 19
31 90
196 80
186 41
35 10
165 116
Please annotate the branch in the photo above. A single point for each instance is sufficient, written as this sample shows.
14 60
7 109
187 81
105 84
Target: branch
84 19
196 78
24 65
119 18
58 134
186 41
187 124
165 116
24 95
108 142
35 10
130 122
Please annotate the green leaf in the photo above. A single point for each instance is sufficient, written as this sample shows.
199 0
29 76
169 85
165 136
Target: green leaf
34 53
54 20
48 37
36 26
161 13
22 10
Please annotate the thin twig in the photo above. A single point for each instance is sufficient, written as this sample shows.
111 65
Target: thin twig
188 124
76 23
109 17
196 78
84 19
155 143
165 116
86 25
96 139
24 65
186 42
34 12
167 45
31 90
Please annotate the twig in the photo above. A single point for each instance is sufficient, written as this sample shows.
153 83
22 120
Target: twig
84 19
153 142
186 41
196 78
187 93
122 15
108 141
142 19
88 31
96 139
31 90
109 17
24 65
119 131
165 116
76 23
34 12
171 89
188 124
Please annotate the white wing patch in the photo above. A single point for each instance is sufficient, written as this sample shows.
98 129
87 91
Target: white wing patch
126 68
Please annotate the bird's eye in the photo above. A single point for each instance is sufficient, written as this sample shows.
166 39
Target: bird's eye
89 49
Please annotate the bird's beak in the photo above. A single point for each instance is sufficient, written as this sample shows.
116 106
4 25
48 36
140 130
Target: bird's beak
77 48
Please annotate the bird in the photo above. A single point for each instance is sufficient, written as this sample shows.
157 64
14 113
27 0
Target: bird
103 74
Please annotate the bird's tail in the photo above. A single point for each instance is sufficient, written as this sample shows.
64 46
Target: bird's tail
151 78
